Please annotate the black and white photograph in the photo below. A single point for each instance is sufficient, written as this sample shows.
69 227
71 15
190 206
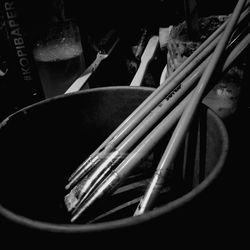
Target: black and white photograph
124 124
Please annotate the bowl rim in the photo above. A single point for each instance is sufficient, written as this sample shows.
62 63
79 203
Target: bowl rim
128 221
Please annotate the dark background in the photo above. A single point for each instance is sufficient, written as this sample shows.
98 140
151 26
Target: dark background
95 18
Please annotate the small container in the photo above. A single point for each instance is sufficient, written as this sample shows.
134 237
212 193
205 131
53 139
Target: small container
59 57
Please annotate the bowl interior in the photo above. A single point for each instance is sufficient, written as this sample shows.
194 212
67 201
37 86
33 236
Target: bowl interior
43 144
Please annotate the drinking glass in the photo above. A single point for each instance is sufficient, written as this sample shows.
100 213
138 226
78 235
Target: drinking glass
59 57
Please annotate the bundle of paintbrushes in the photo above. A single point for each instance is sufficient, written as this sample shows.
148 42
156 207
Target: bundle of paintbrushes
171 106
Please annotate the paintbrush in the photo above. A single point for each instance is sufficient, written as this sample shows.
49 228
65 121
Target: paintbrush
104 164
139 113
118 175
182 127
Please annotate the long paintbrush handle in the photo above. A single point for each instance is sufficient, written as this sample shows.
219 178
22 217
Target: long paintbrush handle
147 144
150 102
187 116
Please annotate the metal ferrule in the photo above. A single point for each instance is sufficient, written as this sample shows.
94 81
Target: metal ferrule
146 201
86 168
106 188
96 176
93 186
89 159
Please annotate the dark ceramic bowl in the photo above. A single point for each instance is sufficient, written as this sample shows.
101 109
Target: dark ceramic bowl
41 145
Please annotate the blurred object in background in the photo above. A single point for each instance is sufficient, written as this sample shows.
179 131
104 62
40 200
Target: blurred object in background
180 40
19 80
133 22
224 97
192 16
59 57
56 39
